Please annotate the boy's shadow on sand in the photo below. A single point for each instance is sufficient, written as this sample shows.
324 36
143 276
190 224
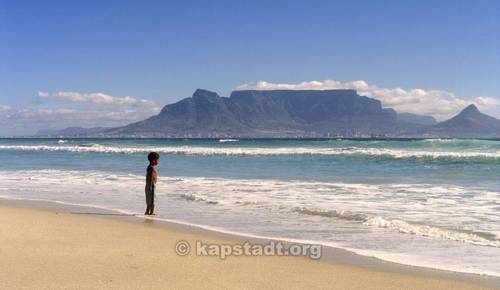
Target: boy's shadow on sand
101 213
145 220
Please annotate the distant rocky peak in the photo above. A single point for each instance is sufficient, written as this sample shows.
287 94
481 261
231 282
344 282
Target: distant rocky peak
204 94
470 110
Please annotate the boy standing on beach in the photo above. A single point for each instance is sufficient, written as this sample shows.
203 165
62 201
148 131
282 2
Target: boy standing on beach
151 178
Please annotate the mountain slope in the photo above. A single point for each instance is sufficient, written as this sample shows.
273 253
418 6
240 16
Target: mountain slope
469 123
417 119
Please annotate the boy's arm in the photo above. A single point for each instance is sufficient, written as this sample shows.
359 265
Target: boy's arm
154 176
150 178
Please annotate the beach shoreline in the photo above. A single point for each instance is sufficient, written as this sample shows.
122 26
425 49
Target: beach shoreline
331 257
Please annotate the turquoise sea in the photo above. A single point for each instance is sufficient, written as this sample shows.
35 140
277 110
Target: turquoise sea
433 203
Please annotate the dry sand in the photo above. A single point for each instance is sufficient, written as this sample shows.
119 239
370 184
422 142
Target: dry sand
49 249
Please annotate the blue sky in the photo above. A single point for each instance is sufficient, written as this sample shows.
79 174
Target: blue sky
74 62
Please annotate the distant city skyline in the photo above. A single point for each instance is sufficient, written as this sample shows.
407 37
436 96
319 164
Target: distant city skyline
109 63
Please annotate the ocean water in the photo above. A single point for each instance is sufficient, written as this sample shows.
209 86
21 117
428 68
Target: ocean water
433 203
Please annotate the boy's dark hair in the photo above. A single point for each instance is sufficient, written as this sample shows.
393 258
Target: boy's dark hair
153 156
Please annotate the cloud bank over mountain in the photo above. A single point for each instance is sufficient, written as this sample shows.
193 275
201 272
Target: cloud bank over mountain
440 104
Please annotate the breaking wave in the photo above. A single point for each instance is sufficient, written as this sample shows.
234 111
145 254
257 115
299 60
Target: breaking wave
256 151
434 232
345 215
404 227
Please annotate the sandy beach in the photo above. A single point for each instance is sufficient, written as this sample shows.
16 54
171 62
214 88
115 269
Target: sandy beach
51 249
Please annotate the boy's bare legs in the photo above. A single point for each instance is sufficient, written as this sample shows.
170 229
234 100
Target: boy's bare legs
150 209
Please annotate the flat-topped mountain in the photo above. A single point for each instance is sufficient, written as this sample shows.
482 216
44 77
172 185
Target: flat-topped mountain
470 123
269 113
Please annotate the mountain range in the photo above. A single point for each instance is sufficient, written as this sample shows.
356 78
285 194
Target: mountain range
293 114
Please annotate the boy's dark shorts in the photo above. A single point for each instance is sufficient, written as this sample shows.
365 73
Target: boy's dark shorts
150 195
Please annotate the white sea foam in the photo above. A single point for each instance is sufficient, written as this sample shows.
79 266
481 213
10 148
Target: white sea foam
340 214
430 231
406 227
395 207
253 151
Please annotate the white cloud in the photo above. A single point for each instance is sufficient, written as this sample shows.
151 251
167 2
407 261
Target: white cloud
85 110
438 103
486 101
5 108
98 98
